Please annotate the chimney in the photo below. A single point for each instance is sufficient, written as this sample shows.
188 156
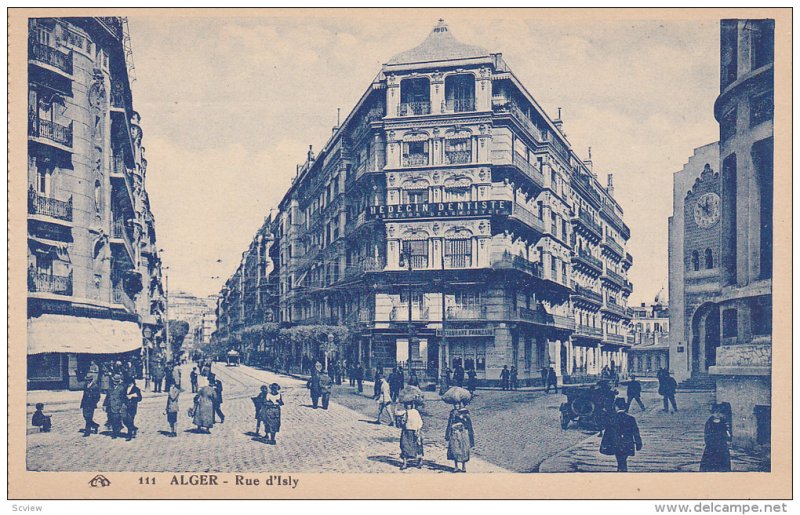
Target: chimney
588 162
559 124
310 153
610 187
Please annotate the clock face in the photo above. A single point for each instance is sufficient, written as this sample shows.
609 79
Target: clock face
706 210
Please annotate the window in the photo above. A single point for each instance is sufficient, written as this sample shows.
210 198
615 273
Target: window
761 316
460 93
416 153
418 251
458 151
695 261
416 196
458 253
762 155
457 194
762 42
709 259
415 97
730 327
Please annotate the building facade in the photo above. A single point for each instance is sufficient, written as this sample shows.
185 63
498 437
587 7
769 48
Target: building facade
744 110
650 330
192 310
94 274
448 221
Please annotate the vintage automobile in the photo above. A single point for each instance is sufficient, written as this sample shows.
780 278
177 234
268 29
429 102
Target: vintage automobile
232 358
587 405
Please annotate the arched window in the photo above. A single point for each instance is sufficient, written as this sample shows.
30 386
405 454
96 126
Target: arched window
709 259
695 261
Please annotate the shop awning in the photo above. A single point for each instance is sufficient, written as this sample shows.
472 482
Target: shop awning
69 334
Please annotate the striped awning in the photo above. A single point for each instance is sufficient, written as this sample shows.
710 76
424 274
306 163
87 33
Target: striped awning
80 335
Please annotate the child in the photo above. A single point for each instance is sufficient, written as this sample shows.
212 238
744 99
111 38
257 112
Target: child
41 420
172 408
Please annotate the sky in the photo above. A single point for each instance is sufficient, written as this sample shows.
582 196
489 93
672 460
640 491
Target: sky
229 107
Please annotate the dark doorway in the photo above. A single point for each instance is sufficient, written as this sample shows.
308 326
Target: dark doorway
705 338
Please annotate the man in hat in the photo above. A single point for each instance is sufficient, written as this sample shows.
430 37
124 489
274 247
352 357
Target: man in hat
504 378
314 385
91 396
359 372
552 380
117 404
325 387
133 396
667 389
217 385
634 393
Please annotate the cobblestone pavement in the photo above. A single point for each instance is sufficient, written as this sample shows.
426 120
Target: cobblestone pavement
671 442
337 440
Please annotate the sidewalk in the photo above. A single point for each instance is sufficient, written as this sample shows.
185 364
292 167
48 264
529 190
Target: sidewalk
671 442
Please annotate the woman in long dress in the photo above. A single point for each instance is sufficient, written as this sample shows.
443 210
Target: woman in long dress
411 436
460 437
272 412
259 401
203 416
716 456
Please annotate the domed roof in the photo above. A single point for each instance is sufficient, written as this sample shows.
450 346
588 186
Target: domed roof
440 45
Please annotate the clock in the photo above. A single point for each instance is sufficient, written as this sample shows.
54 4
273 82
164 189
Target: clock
706 210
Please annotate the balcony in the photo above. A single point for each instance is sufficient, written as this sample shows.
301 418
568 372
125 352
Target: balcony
41 281
52 131
628 258
541 318
415 160
613 277
514 110
414 108
119 234
588 294
589 331
588 260
526 216
615 308
511 262
120 297
615 338
529 169
584 219
45 206
460 105
466 313
458 157
418 313
50 56
458 261
614 247
366 265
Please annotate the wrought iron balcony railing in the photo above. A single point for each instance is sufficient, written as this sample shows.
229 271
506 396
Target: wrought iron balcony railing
46 282
50 56
526 215
460 105
415 108
589 259
589 294
586 219
458 157
61 134
466 313
509 261
399 313
614 246
586 330
415 160
41 205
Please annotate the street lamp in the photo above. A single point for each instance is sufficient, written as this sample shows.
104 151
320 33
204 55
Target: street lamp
166 295
405 262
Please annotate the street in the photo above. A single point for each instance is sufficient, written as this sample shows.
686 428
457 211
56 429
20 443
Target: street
514 431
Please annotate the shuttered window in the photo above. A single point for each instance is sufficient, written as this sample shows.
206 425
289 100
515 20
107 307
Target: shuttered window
458 253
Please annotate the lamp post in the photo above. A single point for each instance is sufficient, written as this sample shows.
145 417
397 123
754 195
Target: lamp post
443 351
148 334
166 308
405 262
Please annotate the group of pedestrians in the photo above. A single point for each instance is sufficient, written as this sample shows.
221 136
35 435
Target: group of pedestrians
121 401
509 379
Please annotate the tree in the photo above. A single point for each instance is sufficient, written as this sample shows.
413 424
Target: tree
178 329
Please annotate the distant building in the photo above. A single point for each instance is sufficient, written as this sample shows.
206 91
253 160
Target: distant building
650 330
694 254
191 309
94 274
446 221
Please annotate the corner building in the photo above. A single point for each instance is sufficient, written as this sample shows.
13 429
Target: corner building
94 274
447 220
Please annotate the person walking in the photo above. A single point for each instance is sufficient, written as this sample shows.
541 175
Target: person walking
117 404
411 436
513 378
217 384
460 436
717 434
634 393
325 388
89 400
621 437
172 409
203 411
384 398
158 375
545 372
337 372
472 381
272 413
667 387
394 388
359 373
504 378
193 379
176 376
552 380
133 396
458 375
315 387
168 375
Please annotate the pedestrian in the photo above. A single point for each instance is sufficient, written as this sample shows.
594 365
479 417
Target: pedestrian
717 434
133 396
621 437
168 375
272 413
360 377
351 373
393 389
337 372
445 381
472 381
217 384
314 386
173 409
552 380
325 388
513 378
259 401
376 387
460 436
545 372
634 393
193 379
117 404
666 388
458 374
91 396
202 412
504 378
411 447
176 376
158 375
384 399
413 380
40 420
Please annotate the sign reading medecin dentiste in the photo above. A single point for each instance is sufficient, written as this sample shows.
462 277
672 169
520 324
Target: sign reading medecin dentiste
441 209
